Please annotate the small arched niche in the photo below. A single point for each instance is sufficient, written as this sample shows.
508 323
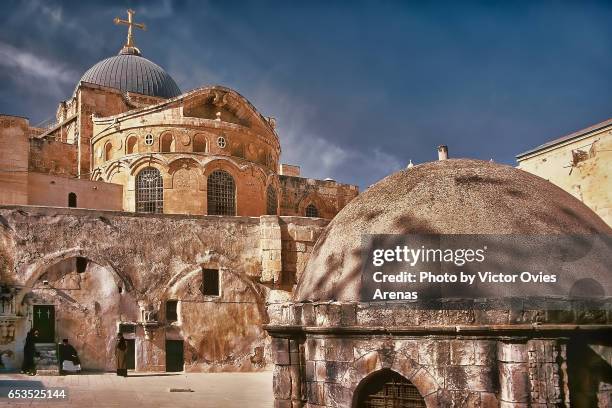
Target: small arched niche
386 388
132 145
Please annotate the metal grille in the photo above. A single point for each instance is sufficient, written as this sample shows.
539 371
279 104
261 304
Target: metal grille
390 390
311 211
272 202
149 191
221 193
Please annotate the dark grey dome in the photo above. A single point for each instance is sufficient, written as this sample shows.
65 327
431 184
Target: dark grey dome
132 73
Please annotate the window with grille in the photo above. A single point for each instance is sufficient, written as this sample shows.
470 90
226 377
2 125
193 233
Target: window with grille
210 282
388 389
149 191
311 211
272 202
171 310
221 193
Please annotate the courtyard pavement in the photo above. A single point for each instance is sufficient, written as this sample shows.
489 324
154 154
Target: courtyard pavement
145 390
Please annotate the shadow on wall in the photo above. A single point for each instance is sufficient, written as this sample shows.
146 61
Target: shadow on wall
590 371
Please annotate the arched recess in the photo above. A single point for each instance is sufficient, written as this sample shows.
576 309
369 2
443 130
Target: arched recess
131 145
387 388
200 144
167 143
240 307
108 151
38 268
313 200
87 305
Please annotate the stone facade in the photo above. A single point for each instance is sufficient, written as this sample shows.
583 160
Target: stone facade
333 349
127 276
324 352
579 163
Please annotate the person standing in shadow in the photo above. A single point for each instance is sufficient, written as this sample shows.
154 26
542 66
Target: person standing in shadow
68 353
29 352
121 355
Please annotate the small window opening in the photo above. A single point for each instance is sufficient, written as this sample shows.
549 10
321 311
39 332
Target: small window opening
171 307
127 328
210 282
72 200
311 211
81 264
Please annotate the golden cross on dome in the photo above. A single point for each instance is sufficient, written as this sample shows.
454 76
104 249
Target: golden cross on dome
130 23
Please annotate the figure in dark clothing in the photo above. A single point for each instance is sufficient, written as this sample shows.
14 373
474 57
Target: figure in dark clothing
68 353
121 355
29 352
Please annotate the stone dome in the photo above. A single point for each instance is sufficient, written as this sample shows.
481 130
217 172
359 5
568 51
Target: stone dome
442 197
130 72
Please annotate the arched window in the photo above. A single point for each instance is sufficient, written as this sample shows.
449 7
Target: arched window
388 389
311 211
108 148
271 202
221 193
199 144
167 143
149 191
72 200
132 145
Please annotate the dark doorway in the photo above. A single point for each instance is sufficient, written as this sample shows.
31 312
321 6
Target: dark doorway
44 322
72 200
131 354
388 389
588 368
174 355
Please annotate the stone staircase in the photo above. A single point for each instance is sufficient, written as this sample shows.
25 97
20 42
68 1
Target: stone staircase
47 363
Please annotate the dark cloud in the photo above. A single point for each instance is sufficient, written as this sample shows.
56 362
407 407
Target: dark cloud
358 88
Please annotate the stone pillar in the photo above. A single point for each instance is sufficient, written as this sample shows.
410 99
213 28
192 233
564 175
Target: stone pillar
548 373
513 374
270 244
288 358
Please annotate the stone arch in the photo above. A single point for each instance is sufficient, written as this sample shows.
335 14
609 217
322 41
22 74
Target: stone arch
147 161
167 143
184 173
112 169
379 377
200 143
108 151
37 269
315 200
211 326
131 144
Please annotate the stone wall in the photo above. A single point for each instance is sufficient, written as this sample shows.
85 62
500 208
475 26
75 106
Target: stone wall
135 263
328 196
581 166
14 149
53 157
324 353
49 190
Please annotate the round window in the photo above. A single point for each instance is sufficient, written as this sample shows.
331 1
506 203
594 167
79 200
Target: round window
149 139
221 142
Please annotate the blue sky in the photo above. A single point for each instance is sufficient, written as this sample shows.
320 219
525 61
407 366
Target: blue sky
358 87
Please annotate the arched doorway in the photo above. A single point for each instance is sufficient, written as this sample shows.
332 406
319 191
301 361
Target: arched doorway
387 389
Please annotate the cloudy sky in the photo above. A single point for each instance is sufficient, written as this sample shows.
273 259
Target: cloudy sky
358 88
